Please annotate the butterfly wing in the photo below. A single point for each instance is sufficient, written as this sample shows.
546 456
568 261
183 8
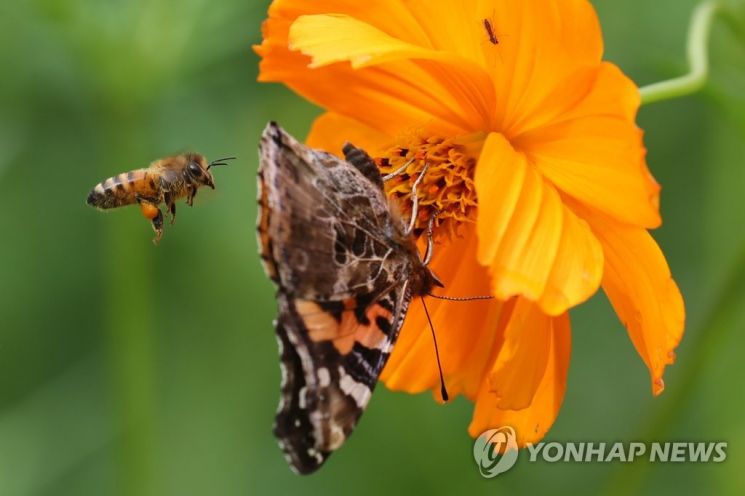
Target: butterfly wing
330 363
325 230
328 240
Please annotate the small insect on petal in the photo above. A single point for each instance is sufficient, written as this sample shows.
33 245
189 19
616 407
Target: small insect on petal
490 32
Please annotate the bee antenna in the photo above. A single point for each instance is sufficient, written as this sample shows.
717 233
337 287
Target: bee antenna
443 390
219 161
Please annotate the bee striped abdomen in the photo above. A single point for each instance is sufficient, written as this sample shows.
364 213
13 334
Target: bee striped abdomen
123 189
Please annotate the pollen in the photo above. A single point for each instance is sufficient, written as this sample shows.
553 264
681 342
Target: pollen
446 192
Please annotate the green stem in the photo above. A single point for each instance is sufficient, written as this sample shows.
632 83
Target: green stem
698 59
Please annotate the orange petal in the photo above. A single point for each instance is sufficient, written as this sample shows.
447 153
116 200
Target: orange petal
540 45
531 423
333 38
468 333
537 45
390 16
638 283
346 91
523 227
469 82
331 131
391 97
521 362
593 151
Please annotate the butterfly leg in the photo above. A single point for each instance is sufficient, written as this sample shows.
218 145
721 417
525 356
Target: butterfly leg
430 242
398 171
415 200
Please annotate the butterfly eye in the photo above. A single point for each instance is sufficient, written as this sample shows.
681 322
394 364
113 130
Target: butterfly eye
195 170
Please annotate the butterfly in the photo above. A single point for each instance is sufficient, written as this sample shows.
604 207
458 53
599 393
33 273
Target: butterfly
346 267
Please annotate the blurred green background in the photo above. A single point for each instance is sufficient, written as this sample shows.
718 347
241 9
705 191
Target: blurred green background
127 369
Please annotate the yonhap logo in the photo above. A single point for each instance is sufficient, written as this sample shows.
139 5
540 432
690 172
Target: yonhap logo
495 451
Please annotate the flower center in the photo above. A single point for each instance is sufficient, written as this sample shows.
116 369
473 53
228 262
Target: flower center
446 190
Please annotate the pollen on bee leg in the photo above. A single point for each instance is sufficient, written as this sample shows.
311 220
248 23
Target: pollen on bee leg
149 211
447 190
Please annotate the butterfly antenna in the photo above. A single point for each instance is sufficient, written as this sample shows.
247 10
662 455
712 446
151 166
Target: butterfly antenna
219 161
461 298
443 390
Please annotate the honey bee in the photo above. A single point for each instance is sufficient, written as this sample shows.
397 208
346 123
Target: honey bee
164 181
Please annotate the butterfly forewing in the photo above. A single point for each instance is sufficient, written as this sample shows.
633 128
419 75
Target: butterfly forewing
324 228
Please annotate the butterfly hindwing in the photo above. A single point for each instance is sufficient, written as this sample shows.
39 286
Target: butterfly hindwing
331 358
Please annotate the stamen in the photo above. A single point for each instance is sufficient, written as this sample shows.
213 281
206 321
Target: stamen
447 187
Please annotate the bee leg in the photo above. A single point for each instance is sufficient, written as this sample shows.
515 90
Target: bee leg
171 204
150 210
157 223
191 193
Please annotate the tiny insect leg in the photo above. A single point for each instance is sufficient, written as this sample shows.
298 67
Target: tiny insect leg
415 200
149 208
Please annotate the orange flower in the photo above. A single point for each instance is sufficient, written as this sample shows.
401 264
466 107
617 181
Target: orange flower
535 163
